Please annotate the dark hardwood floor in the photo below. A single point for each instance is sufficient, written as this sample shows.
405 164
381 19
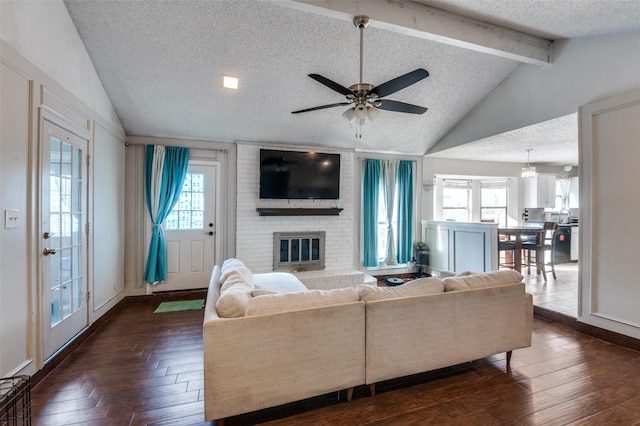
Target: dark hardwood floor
142 368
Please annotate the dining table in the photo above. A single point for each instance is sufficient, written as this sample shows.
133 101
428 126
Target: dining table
518 232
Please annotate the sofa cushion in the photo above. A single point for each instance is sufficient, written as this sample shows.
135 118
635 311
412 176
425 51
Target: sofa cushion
455 284
260 292
235 267
274 303
483 280
419 287
493 278
235 290
279 282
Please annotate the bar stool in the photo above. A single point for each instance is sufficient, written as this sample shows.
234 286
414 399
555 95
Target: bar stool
506 252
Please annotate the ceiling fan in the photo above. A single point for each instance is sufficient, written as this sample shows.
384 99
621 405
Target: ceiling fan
366 98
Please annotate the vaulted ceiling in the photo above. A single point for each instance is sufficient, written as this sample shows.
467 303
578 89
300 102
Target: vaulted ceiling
162 62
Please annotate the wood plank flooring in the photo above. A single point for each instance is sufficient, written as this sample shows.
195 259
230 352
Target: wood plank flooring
142 368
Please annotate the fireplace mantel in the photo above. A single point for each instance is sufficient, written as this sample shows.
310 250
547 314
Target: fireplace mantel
299 211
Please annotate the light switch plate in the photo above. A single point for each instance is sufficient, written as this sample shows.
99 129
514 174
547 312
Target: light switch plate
11 218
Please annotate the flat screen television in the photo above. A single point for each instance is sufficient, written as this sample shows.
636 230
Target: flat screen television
296 175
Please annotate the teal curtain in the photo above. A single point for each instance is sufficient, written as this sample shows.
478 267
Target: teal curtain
370 199
405 211
165 170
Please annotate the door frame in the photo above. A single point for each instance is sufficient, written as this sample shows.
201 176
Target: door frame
47 116
197 159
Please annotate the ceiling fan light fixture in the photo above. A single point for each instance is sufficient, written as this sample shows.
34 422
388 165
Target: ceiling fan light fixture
365 97
372 113
349 114
361 111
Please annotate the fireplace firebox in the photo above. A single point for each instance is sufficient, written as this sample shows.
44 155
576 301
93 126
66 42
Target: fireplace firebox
298 251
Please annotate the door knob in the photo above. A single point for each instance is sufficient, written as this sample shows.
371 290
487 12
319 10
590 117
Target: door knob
209 233
48 251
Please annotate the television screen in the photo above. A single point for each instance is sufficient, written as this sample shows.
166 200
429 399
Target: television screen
299 175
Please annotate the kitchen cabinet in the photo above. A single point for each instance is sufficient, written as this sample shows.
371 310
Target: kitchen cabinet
575 243
540 191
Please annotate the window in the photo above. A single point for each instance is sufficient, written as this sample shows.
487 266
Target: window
383 225
188 213
382 221
493 201
456 200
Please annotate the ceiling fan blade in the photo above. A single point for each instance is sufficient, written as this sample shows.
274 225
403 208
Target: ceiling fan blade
321 107
389 105
331 84
399 83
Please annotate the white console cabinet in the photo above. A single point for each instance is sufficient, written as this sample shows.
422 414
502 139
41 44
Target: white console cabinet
540 191
461 246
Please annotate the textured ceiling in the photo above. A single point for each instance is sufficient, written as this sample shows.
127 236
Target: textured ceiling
162 64
551 19
553 142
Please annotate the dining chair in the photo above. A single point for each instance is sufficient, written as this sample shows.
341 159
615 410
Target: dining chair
535 251
506 250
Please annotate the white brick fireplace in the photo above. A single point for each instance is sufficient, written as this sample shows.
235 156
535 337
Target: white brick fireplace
255 234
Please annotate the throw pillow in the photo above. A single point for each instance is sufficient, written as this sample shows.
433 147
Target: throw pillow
235 290
279 282
419 287
274 303
234 266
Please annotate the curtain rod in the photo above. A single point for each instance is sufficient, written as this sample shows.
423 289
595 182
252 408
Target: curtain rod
368 158
198 149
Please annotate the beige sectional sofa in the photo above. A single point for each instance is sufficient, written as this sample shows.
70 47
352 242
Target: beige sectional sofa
269 341
274 356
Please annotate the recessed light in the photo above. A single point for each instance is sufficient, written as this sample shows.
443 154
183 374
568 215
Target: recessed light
229 82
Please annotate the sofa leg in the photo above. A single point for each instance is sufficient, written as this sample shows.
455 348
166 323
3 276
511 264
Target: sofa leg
372 389
349 394
509 357
220 422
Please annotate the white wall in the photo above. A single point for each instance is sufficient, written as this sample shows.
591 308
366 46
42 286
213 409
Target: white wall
16 301
45 68
137 225
255 233
610 200
43 33
583 70
107 252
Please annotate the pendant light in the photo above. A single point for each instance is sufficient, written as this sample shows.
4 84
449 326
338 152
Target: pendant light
529 171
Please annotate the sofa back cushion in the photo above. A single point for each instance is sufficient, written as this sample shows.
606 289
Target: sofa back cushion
419 287
274 303
236 285
484 280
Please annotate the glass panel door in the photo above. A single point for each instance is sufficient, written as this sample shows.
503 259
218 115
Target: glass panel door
63 242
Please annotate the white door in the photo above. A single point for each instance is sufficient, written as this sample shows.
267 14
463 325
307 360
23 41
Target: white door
63 236
190 230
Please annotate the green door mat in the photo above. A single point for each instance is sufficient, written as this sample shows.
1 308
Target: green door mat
180 305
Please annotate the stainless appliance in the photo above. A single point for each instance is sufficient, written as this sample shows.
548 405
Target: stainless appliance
563 244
